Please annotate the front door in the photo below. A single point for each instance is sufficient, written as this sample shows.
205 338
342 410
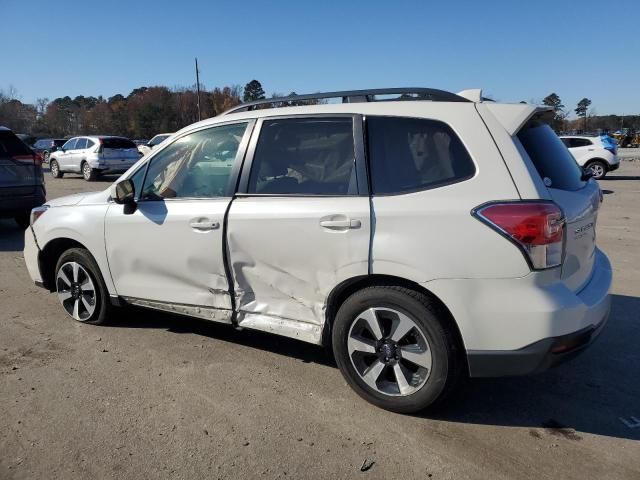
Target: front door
169 253
65 155
300 224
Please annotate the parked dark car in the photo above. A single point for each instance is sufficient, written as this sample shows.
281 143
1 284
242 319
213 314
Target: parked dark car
46 146
26 138
21 179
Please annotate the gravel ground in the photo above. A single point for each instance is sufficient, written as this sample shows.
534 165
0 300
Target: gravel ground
160 396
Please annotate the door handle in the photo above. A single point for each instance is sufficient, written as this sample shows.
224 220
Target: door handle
203 224
340 224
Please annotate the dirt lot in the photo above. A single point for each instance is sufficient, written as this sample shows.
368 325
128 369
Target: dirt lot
158 396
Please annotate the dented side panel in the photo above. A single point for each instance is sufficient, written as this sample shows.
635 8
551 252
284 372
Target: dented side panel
285 264
156 254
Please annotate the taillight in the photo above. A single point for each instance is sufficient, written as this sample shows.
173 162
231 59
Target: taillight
39 159
537 228
101 143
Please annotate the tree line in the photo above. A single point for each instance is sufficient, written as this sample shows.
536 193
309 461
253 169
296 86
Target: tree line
141 114
150 110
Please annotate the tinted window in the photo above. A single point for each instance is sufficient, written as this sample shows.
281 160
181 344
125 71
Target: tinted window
196 165
81 144
10 145
70 145
305 156
550 157
117 143
409 154
576 142
90 143
59 143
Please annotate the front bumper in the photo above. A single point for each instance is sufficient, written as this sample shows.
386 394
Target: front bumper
31 253
594 302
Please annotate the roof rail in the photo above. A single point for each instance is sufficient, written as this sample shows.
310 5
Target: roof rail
355 96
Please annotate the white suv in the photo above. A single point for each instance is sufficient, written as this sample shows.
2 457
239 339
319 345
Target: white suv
423 238
94 156
598 154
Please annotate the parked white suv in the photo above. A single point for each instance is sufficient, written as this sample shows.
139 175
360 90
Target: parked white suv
93 156
153 143
423 239
599 154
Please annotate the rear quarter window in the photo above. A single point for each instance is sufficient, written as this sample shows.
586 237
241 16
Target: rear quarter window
412 154
550 157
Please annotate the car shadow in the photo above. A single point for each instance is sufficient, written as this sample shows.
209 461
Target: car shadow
11 236
589 394
134 317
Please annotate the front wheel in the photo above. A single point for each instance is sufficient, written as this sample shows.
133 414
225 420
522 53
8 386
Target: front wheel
55 169
598 169
80 287
396 349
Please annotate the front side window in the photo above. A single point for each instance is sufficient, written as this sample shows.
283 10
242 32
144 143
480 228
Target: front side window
70 145
411 154
305 156
197 165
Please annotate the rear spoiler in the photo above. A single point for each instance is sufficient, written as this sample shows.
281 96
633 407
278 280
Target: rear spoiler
513 116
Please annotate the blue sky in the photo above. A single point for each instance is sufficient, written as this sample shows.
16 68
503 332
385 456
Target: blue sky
514 50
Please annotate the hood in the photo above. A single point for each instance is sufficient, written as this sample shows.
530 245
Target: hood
86 198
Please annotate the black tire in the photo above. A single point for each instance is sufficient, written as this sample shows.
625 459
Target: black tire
446 367
598 169
102 302
55 169
88 173
23 219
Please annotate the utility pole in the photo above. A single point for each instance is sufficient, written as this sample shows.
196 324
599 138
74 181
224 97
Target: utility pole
198 89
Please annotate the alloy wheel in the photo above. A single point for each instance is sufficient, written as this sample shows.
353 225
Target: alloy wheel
86 171
389 351
597 170
76 291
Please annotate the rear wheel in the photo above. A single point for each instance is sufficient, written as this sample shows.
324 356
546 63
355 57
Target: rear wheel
598 169
80 287
89 174
55 169
395 348
23 219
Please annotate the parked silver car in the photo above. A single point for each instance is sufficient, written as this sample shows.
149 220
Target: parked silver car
93 156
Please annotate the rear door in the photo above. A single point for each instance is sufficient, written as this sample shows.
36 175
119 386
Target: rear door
18 173
118 152
579 199
77 155
300 224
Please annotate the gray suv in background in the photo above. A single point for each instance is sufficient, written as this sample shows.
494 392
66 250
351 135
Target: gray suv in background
21 179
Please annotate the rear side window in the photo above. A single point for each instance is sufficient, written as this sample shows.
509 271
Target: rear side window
117 143
305 156
411 154
90 143
81 144
550 156
11 146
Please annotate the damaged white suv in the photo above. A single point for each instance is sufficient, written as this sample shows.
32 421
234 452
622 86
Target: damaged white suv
424 237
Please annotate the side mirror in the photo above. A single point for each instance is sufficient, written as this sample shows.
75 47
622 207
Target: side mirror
124 193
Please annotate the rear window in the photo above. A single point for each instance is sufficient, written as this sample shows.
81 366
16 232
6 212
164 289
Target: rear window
412 154
118 143
10 145
556 166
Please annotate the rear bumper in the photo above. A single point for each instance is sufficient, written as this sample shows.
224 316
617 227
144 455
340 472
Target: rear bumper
590 311
10 206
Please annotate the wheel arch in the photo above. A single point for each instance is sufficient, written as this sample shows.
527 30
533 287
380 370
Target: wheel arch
49 255
350 286
599 160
